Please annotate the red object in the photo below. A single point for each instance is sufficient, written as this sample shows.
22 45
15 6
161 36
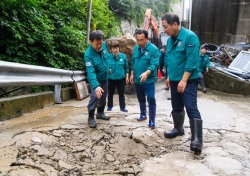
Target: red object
159 74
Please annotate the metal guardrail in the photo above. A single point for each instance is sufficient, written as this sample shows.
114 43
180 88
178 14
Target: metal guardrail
16 74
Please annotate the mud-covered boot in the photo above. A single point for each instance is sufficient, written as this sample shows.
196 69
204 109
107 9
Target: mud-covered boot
100 114
196 132
178 118
91 119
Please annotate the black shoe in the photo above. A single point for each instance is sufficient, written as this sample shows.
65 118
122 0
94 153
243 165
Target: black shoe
204 90
102 116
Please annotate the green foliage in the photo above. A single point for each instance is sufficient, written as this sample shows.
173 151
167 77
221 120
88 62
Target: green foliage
52 32
134 10
49 32
37 89
102 17
25 32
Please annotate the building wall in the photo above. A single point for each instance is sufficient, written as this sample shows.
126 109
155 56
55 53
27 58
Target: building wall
221 21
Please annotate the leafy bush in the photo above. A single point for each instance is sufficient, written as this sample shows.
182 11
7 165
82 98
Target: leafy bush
49 32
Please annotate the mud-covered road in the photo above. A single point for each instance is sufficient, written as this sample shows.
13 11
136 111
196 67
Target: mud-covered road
56 141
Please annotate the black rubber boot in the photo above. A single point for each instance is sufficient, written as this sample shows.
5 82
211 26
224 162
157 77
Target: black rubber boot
196 139
178 118
100 114
91 119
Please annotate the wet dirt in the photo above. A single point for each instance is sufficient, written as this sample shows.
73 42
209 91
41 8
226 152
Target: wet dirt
57 141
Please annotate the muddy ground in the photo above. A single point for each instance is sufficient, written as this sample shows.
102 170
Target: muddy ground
57 141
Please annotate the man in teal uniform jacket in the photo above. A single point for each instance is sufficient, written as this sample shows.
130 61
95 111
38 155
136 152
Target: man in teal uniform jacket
204 66
182 60
96 61
144 64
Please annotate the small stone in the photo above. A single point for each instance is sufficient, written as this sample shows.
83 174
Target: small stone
110 157
64 165
36 139
127 134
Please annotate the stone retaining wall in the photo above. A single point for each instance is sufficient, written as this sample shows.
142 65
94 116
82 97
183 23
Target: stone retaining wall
18 105
222 82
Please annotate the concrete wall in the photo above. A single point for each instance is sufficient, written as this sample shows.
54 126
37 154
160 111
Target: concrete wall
221 21
18 105
219 81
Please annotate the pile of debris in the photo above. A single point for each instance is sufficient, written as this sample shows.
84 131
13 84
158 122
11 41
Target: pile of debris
229 60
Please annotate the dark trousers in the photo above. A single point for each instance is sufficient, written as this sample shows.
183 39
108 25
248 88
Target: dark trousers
188 98
202 81
142 91
96 102
120 85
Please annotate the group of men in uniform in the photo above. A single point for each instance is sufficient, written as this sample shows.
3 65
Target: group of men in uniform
182 63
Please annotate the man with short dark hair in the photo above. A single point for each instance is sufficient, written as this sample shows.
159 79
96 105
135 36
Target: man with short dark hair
144 64
204 66
182 60
96 61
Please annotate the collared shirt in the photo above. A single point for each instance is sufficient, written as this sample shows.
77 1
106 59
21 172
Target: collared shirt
204 63
148 59
96 65
182 55
118 66
142 49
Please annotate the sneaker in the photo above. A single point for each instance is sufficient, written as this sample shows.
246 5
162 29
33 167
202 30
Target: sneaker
142 118
124 110
204 90
109 109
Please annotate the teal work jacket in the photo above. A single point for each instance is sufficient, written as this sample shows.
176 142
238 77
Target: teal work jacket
96 65
148 59
118 66
204 63
182 55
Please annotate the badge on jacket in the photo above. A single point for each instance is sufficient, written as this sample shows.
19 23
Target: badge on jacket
88 64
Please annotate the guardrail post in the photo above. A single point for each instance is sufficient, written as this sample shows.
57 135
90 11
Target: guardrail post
57 94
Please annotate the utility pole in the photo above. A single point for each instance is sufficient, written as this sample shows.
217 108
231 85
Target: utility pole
89 20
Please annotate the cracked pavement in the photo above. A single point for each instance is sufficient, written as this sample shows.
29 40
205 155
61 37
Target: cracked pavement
56 140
